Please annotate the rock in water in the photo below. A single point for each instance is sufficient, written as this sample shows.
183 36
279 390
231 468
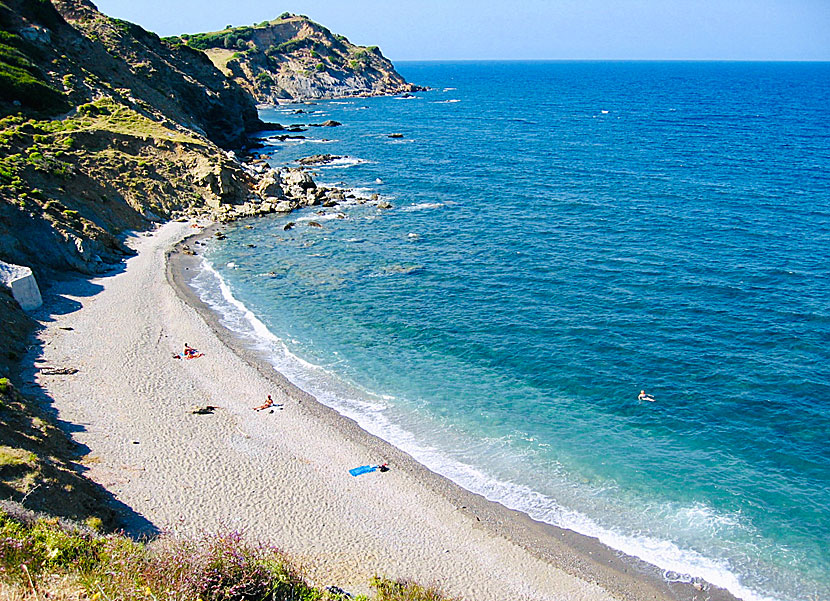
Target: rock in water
319 159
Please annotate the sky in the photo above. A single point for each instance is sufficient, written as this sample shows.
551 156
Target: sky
527 29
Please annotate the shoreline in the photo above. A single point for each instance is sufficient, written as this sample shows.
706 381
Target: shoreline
283 478
624 576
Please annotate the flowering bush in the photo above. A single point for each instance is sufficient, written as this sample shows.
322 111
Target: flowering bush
36 553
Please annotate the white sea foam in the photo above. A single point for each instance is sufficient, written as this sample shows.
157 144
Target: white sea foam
342 163
274 140
450 101
376 415
422 206
316 217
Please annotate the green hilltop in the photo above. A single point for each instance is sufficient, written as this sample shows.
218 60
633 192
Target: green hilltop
292 57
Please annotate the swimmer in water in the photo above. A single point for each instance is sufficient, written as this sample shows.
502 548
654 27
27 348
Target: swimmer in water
645 397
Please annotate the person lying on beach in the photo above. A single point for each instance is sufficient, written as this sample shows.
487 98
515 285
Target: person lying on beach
190 352
365 469
645 397
269 402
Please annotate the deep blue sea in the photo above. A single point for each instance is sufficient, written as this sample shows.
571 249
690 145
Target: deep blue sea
563 235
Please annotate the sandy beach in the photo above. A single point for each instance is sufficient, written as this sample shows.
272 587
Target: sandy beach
282 476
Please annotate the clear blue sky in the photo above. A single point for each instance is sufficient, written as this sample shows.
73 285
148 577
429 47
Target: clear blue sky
527 29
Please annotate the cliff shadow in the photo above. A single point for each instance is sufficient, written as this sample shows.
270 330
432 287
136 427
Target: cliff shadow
32 422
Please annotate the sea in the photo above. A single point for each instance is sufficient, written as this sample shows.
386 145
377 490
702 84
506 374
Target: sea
562 236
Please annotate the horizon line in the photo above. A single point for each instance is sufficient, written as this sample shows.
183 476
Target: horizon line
614 60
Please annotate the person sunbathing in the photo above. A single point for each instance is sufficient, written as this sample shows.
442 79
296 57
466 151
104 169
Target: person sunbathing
190 352
269 402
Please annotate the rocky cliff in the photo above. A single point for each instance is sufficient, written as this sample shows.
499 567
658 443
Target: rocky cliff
295 58
107 128
104 128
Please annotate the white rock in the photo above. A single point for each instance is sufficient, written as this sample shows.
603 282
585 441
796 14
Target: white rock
23 285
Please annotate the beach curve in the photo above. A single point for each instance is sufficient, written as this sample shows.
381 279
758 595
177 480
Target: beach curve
282 477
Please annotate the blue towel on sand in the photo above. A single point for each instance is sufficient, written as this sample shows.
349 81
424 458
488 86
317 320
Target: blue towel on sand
363 469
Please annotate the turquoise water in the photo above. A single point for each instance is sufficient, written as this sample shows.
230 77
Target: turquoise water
562 236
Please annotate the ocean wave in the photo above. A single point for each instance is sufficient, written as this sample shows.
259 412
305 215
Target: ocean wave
422 206
342 163
316 217
450 101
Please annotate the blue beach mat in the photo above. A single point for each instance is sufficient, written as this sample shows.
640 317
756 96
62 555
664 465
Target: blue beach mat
363 469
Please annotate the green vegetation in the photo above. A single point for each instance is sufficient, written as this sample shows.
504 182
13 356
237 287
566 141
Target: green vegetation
390 590
292 45
320 67
231 37
38 555
4 385
361 54
11 457
20 79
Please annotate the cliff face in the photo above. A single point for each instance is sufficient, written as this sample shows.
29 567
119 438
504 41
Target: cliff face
292 57
108 129
174 80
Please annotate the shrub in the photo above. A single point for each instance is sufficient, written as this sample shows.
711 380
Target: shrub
290 46
400 590
5 385
320 67
42 546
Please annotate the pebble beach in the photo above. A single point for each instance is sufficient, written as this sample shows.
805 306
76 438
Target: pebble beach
281 475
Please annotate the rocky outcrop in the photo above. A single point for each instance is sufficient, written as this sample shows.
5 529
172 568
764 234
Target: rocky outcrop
293 58
319 159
